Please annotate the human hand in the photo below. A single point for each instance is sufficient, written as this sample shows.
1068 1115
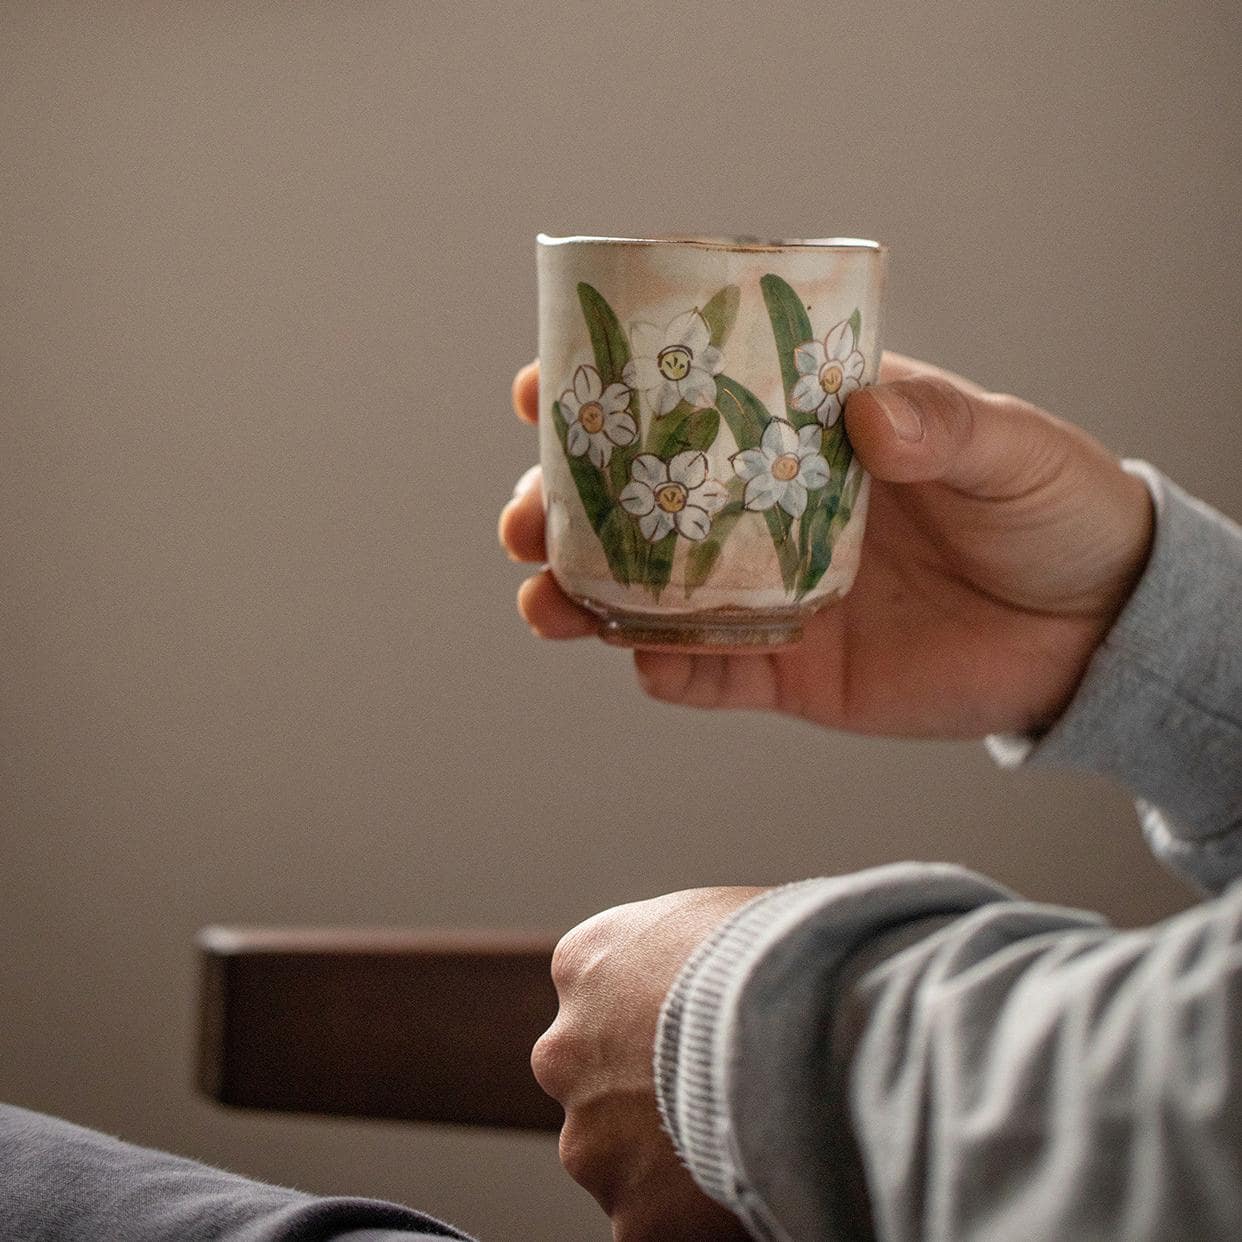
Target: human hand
611 974
1001 544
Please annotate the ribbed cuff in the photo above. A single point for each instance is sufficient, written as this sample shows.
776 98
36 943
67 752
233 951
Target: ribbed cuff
745 1076
1159 707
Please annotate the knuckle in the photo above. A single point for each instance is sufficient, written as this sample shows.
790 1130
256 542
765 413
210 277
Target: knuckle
549 1062
585 1161
565 959
582 948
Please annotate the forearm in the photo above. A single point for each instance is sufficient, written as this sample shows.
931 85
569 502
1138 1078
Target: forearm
1012 1071
60 1183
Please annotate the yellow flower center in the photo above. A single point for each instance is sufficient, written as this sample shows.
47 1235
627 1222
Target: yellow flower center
785 467
671 497
832 377
674 362
591 416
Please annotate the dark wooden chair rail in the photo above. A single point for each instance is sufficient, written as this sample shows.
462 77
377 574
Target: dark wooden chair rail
416 1026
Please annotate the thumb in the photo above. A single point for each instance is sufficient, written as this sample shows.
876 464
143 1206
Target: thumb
927 429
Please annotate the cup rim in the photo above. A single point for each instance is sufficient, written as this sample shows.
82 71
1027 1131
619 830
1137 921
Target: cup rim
742 245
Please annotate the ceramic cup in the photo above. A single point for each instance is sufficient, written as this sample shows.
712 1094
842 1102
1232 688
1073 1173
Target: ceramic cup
700 488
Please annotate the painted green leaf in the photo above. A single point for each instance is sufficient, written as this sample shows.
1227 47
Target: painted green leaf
815 544
779 526
856 325
721 313
588 481
703 557
791 327
835 510
601 512
659 564
743 412
746 417
616 533
612 350
695 429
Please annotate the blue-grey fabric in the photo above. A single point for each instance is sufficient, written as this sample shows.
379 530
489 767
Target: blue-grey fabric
913 1052
63 1183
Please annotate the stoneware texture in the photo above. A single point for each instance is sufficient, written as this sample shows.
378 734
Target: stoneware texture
700 487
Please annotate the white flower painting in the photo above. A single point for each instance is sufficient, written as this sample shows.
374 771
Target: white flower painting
597 417
673 495
828 370
674 364
786 465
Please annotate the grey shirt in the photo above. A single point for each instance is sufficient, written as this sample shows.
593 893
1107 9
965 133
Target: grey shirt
914 1052
64 1183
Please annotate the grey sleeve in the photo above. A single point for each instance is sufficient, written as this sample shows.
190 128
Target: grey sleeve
63 1183
912 1053
1160 708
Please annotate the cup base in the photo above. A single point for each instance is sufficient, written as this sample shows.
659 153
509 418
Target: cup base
704 632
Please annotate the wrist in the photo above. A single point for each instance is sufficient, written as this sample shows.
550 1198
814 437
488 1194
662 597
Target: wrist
748 1081
1124 546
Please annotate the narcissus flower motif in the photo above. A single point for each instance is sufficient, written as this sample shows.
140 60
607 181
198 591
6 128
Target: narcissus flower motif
829 371
673 495
597 417
675 364
786 465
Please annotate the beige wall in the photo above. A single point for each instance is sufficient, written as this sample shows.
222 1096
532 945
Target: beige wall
265 271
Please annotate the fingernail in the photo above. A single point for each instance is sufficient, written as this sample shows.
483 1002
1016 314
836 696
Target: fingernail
526 482
903 417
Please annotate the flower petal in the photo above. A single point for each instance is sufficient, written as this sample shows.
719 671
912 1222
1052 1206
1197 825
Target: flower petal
689 469
693 522
690 330
809 357
847 386
810 438
576 439
664 399
710 359
569 405
615 397
839 343
600 450
587 384
750 462
619 427
813 471
655 525
698 388
712 495
642 373
794 499
647 340
830 411
855 365
762 492
779 437
648 468
807 394
637 498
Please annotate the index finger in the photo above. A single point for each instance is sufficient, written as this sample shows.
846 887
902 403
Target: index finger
526 392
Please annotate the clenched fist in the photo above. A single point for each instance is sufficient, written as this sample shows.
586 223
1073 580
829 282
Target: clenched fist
612 974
